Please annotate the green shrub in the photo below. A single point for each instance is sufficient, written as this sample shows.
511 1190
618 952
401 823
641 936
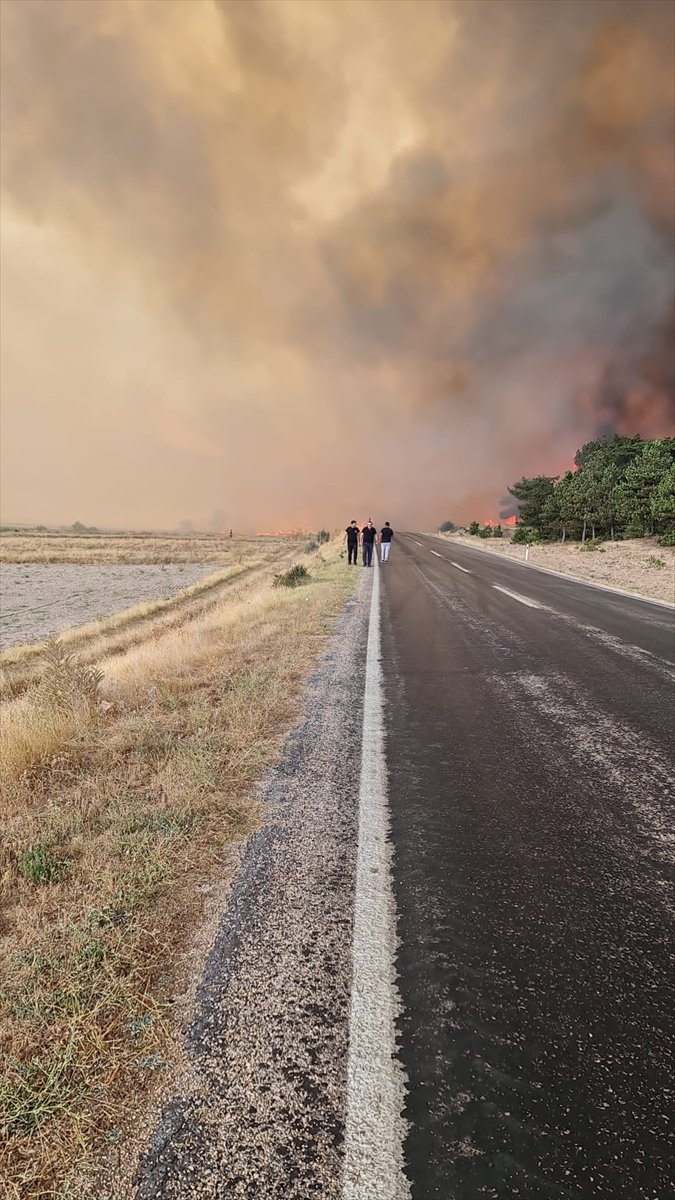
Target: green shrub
498 532
291 578
667 538
485 532
474 528
654 561
323 536
38 865
525 536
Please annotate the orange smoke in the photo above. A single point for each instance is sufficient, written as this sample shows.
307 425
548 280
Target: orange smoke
412 277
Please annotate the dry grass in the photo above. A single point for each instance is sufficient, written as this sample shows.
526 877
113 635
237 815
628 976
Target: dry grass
119 799
96 549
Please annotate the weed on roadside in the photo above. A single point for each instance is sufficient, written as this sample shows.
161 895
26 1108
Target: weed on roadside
294 576
38 865
67 685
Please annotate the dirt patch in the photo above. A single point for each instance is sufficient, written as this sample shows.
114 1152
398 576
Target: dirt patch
39 601
639 565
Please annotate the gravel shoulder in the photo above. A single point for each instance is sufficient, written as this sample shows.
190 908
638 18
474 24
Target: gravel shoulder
624 565
259 1110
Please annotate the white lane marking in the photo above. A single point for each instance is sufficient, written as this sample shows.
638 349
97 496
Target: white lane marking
517 596
416 542
459 568
592 583
376 1082
436 553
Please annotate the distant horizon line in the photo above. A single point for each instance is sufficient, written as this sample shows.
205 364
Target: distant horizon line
80 528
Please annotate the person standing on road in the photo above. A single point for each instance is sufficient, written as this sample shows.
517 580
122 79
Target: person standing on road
352 539
368 535
386 535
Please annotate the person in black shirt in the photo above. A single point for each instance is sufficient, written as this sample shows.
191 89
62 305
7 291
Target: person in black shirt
352 539
368 535
386 534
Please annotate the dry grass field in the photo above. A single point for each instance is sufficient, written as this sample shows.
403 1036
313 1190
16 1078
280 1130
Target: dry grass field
101 605
128 772
128 548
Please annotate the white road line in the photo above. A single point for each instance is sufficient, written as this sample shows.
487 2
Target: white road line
464 569
376 1082
517 596
416 542
592 583
436 553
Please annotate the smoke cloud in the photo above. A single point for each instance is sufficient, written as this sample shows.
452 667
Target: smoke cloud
294 263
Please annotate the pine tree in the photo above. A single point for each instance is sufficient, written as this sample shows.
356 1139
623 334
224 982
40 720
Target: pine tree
641 483
532 495
663 501
569 505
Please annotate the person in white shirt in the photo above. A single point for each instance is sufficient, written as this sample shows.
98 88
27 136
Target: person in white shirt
386 535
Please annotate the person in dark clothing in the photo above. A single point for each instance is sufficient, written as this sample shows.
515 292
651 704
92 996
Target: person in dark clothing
386 535
352 539
368 535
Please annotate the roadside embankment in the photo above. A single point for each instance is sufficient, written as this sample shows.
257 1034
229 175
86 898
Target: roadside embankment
126 784
639 565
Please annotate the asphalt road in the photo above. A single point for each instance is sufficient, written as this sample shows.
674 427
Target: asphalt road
468 855
531 788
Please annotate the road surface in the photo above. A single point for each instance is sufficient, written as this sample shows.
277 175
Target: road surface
499 959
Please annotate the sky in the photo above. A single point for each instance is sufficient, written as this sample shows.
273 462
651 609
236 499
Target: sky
274 265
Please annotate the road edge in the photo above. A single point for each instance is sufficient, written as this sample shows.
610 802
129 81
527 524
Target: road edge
603 587
375 1129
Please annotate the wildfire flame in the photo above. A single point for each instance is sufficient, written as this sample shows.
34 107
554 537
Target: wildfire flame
490 522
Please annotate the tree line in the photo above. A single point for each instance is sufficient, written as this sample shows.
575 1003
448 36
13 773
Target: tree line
621 487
